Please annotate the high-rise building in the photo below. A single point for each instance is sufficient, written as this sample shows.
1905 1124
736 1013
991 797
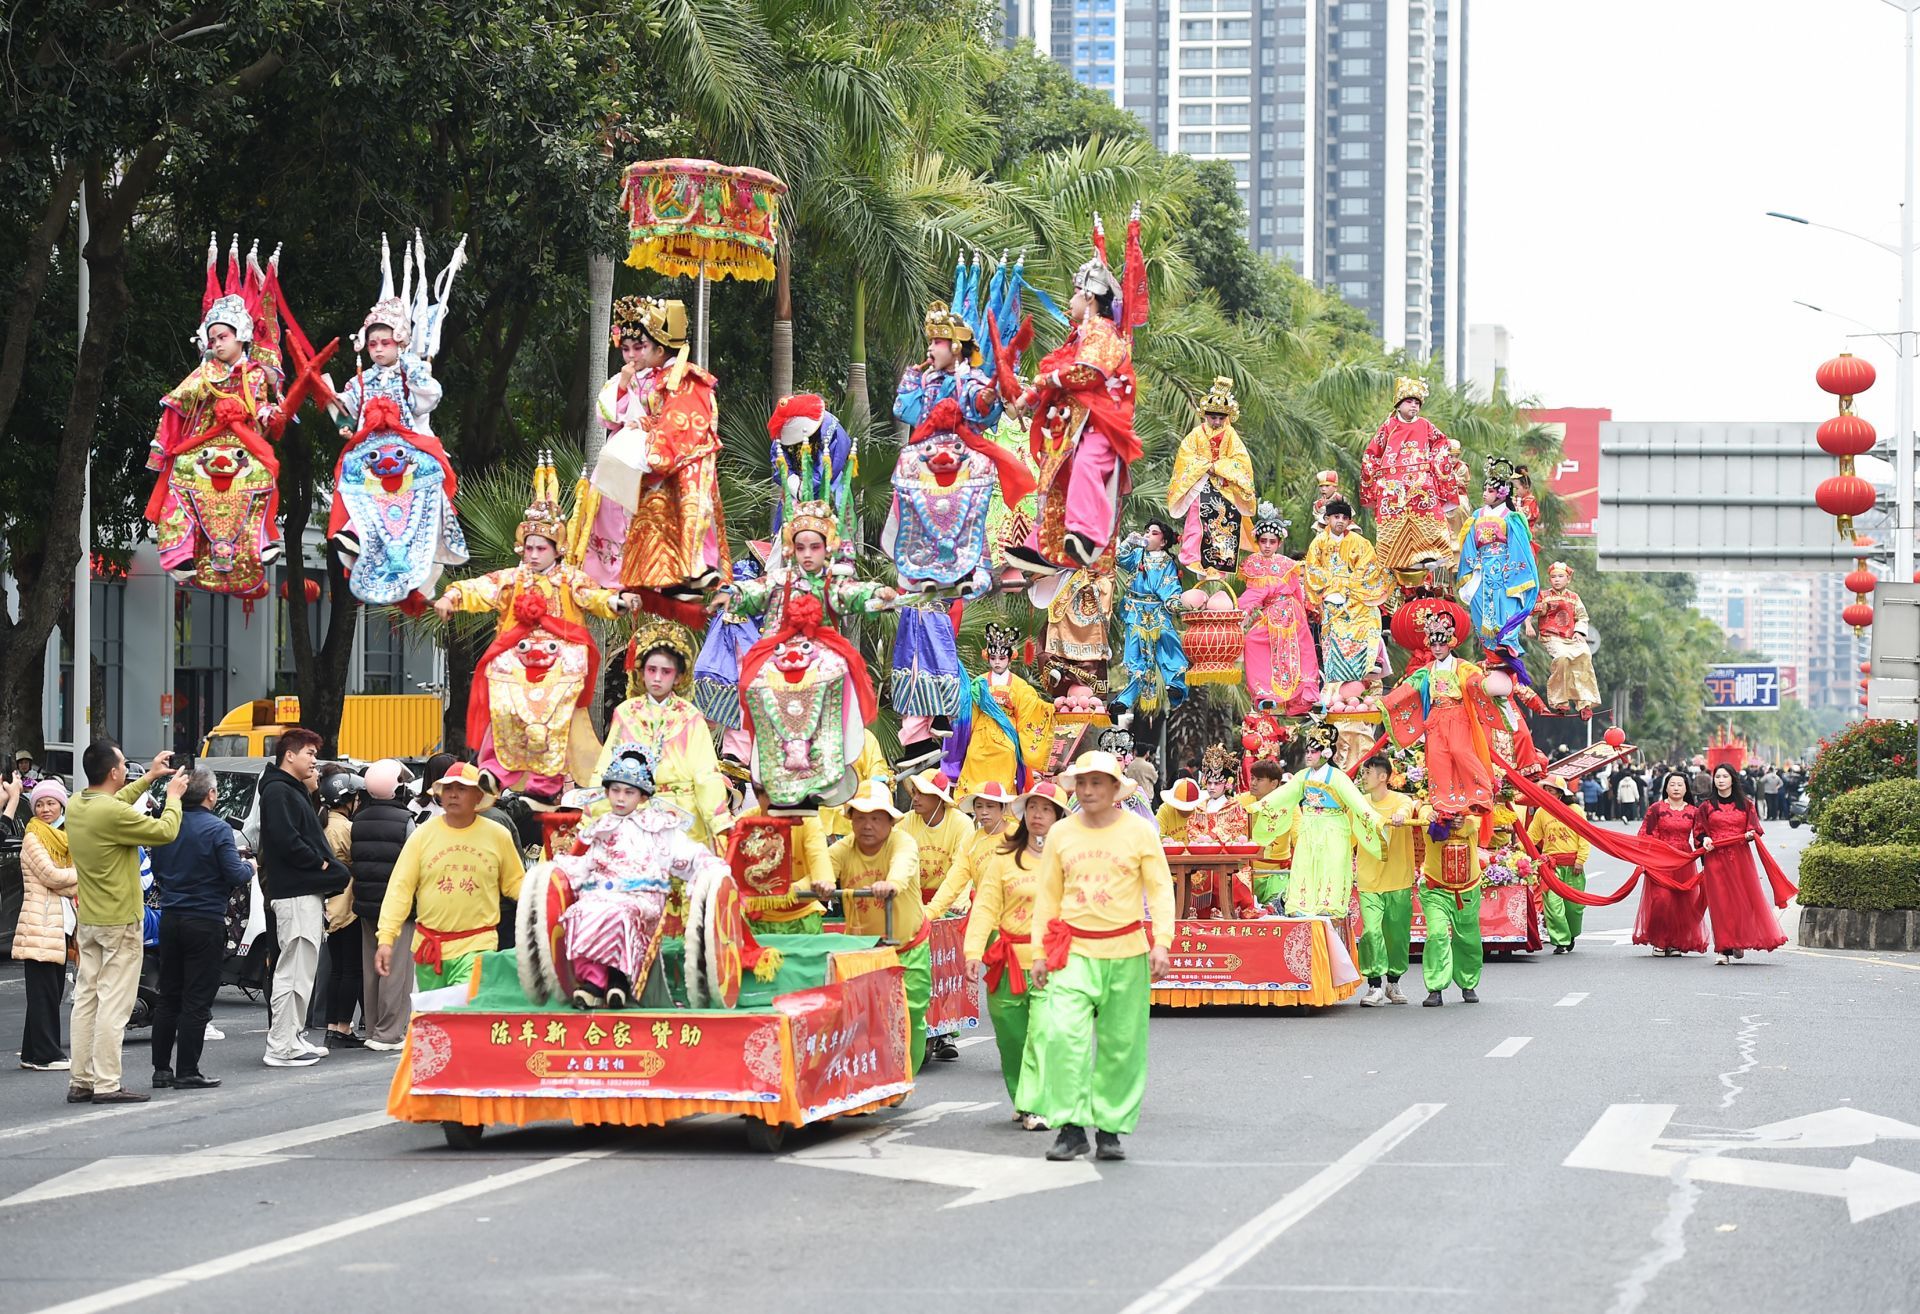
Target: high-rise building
1343 121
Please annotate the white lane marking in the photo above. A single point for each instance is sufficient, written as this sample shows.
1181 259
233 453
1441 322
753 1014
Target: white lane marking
884 1151
1569 1001
971 1040
55 1124
269 1252
122 1171
1509 1047
1260 1231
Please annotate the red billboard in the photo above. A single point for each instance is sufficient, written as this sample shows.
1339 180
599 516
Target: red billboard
1576 480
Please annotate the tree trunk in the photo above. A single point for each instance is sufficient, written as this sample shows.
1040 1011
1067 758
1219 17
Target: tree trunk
859 414
599 329
33 283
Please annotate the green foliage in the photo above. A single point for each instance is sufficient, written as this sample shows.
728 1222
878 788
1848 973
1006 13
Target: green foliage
1879 877
1886 812
1865 752
1037 106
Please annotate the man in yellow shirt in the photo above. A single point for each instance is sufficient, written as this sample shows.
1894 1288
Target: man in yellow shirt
883 858
988 806
1386 886
1096 960
1270 828
1177 804
1561 845
450 878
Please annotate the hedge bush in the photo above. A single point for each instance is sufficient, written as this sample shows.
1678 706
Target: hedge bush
1864 753
1883 813
1877 877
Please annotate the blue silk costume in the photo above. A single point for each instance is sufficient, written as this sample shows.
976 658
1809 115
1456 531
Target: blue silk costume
1496 551
1156 663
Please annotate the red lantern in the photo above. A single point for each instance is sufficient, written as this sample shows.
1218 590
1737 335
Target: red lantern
312 589
1865 685
1857 614
1845 495
1866 668
1614 736
1846 375
1861 581
1846 435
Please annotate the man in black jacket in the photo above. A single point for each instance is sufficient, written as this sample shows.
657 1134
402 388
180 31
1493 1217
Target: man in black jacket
297 873
380 830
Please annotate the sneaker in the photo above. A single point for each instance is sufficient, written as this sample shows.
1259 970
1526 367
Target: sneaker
1107 1145
1393 993
58 1065
215 1033
1433 1000
308 1047
345 1040
1071 1143
300 1060
944 1049
386 1046
1469 995
1373 998
1033 1122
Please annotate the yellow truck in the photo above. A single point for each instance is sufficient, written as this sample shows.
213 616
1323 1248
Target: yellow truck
372 726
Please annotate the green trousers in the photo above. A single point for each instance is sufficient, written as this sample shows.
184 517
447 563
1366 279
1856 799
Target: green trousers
1565 919
1387 916
919 964
456 969
1453 953
1088 1045
1010 1015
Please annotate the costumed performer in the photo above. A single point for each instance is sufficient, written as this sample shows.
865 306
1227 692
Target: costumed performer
1450 903
812 456
1212 486
1503 715
1459 772
1346 586
809 536
449 879
621 870
1408 479
1155 660
1081 404
1736 899
1560 618
1672 921
215 501
1003 735
1139 775
1220 819
534 683
1272 830
1564 847
883 858
604 503
1000 931
1282 667
658 717
1079 621
1386 885
1334 821
988 808
716 670
807 699
1178 802
1097 960
950 372
1498 576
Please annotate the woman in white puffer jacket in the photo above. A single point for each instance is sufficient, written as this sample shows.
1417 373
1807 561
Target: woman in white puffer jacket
40 937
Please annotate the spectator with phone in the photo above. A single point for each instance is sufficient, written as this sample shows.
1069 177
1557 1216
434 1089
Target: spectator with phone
298 874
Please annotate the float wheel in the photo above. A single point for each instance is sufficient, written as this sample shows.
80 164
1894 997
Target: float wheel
460 1136
765 1137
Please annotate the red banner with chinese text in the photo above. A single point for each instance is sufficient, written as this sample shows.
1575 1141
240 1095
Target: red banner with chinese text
586 1055
1274 954
849 1042
953 1005
1503 916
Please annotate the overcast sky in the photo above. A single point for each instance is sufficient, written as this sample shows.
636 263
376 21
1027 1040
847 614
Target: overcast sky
1621 158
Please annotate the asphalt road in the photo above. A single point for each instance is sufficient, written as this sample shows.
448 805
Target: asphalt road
1462 1159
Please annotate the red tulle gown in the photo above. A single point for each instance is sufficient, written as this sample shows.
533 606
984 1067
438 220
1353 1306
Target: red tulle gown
1671 919
1737 901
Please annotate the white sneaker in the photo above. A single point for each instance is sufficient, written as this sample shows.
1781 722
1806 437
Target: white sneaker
302 1060
1373 998
386 1046
318 1051
215 1033
1393 993
58 1065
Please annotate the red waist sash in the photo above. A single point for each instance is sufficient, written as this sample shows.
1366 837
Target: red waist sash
1058 941
428 943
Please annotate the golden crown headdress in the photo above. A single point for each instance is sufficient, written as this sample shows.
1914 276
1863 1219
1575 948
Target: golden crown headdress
1217 763
1319 737
652 636
545 517
1405 387
816 516
944 325
629 319
1220 400
1500 471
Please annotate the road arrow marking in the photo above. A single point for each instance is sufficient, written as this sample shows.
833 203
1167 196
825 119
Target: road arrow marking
883 1151
1631 1138
123 1171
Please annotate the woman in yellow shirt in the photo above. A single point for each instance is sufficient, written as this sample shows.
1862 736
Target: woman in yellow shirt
990 810
1561 845
1000 931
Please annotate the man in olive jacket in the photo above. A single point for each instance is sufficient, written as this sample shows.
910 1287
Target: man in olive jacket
298 873
104 834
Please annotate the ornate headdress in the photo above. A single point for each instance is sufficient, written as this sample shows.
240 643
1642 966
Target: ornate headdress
664 321
1220 400
1405 387
1558 568
1000 640
545 517
1499 470
1117 740
629 766
240 300
1268 520
1218 763
817 516
659 635
1440 621
629 319
943 325
796 418
388 309
1319 737
1095 278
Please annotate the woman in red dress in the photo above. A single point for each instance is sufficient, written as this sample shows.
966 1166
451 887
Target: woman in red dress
1672 921
1736 900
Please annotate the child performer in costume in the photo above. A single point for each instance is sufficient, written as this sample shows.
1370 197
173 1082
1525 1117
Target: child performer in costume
1079 623
1560 618
1499 578
1450 903
449 880
809 537
1273 830
988 807
1673 922
1212 486
1459 773
1095 958
621 871
1003 732
532 686
1386 886
1220 819
716 670
668 728
951 371
1000 932
1334 820
1281 665
1156 662
812 456
883 858
1408 479
1346 585
1562 846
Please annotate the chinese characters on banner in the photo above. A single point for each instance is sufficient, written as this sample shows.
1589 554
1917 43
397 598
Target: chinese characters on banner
1503 916
1268 954
1743 689
953 1005
849 1042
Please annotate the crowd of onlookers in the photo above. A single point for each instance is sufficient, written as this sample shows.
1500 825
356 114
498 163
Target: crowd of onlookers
1622 793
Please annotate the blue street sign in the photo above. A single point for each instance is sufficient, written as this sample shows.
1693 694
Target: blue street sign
1743 689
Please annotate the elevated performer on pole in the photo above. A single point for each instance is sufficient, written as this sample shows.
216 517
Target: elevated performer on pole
1409 478
1097 960
1212 486
658 716
1499 576
1459 768
1346 586
1002 734
1560 618
1282 667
